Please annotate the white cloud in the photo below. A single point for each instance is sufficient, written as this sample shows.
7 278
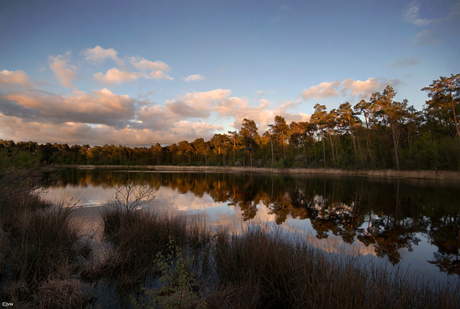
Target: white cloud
323 90
64 71
148 69
262 93
365 88
193 78
407 62
411 14
100 107
144 64
197 104
15 128
427 37
202 105
100 117
347 87
12 79
99 54
157 69
116 76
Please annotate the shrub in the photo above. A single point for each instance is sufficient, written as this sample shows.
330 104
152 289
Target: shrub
178 283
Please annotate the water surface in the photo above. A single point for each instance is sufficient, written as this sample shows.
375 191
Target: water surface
409 224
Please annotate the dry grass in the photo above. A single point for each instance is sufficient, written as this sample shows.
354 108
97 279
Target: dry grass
137 237
40 244
257 269
287 273
273 270
60 294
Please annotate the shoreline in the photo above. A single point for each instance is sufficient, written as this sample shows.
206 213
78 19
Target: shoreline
423 174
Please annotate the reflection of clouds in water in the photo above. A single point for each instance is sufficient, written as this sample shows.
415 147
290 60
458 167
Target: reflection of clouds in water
217 214
83 196
264 214
184 202
98 196
332 244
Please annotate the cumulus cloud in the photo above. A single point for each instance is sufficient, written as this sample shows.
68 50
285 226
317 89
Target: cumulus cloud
346 87
201 105
404 63
18 129
364 89
193 78
101 116
65 72
182 109
148 69
144 64
13 79
100 107
196 104
323 90
99 54
98 117
116 76
157 69
427 37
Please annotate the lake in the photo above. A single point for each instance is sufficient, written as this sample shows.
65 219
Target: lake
412 225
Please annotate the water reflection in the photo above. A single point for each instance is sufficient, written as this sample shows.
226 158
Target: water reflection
388 218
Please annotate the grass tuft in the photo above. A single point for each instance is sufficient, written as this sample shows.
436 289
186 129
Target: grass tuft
60 294
40 243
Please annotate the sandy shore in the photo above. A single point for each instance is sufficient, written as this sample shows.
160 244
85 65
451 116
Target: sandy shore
440 175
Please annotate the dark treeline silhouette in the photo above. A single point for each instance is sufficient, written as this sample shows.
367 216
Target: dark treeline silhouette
376 134
388 215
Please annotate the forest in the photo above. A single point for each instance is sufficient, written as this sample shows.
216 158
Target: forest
379 133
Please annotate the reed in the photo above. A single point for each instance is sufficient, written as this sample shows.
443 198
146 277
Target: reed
284 272
260 269
40 243
42 253
138 236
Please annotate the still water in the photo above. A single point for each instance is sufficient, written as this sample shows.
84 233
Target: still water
412 225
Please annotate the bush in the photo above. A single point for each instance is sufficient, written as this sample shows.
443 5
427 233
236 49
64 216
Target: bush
178 283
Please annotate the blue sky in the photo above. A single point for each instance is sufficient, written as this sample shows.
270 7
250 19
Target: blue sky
141 72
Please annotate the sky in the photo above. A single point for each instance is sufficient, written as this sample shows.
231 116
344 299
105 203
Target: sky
137 73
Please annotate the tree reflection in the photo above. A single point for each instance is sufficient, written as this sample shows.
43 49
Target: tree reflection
389 215
445 234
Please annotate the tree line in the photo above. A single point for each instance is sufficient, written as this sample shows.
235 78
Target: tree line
378 133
